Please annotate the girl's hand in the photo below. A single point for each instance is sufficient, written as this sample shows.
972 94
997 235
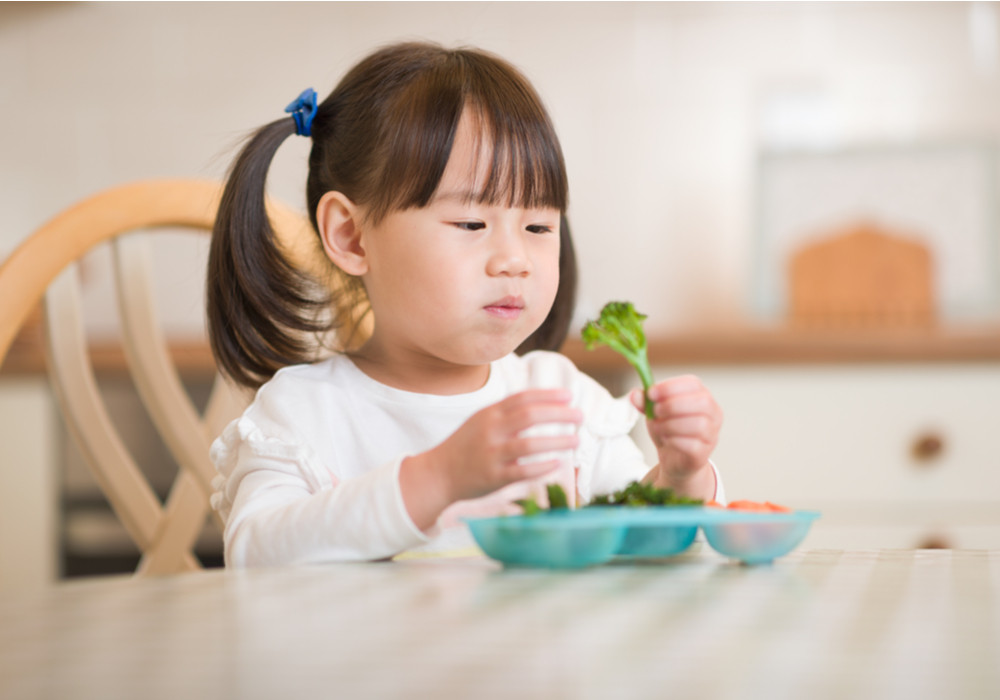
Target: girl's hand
685 431
488 452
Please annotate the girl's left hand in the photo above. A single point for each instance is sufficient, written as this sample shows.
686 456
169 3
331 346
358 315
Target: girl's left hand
685 429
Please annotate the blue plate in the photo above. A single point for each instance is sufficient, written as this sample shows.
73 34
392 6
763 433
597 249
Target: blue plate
757 538
553 540
656 541
655 532
592 536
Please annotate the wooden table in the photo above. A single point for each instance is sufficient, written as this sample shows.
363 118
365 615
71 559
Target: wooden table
819 624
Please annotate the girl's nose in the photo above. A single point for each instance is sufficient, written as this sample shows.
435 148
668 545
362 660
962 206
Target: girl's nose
509 255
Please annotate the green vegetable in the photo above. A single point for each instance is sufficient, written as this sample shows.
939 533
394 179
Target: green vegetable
557 497
529 505
639 494
557 501
620 328
635 493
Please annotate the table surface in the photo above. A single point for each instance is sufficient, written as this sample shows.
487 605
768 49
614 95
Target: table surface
818 624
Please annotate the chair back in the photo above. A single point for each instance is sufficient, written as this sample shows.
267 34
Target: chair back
165 531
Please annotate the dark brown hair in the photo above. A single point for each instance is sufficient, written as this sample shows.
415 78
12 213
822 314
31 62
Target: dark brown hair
383 138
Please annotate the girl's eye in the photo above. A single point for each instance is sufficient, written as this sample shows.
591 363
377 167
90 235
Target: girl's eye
539 228
470 225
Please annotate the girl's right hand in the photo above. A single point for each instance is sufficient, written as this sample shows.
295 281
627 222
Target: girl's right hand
488 452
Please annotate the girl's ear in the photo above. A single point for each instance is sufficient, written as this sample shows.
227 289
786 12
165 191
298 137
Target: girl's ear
339 229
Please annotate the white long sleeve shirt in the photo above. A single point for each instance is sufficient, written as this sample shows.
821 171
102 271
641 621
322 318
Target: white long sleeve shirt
310 471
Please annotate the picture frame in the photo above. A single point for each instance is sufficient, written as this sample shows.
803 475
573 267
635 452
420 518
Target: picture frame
943 195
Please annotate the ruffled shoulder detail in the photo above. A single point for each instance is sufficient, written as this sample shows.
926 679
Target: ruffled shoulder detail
223 456
243 435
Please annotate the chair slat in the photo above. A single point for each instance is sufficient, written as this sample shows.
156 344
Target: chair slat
169 406
75 388
156 378
184 518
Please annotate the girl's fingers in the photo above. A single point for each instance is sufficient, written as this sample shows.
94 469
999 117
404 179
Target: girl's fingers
536 406
527 446
686 405
533 396
700 426
529 416
520 471
638 400
692 447
678 395
676 386
499 440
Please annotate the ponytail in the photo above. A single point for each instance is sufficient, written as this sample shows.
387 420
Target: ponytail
261 309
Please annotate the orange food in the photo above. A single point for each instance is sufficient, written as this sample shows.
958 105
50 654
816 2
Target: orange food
765 507
775 508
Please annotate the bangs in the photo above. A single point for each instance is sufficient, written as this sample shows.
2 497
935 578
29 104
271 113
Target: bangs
526 167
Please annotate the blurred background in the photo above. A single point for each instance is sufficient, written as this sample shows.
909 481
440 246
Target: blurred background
749 174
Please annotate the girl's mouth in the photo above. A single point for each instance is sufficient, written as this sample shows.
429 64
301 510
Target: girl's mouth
509 307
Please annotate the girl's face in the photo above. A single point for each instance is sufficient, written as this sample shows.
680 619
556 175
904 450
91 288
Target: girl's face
456 284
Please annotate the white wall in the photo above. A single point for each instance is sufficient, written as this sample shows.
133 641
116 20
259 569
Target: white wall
661 108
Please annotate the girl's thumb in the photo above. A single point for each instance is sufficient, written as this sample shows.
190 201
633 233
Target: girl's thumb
637 398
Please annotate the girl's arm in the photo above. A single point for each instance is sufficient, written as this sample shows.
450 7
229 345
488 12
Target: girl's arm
283 507
280 516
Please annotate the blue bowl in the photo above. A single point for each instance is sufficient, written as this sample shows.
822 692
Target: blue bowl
757 538
655 532
656 541
552 540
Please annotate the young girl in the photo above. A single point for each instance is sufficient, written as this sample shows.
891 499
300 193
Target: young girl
438 191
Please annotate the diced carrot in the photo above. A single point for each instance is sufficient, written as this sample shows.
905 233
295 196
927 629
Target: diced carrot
714 504
776 508
765 507
746 505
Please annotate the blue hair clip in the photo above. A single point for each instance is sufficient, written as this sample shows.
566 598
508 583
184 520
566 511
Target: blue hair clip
303 109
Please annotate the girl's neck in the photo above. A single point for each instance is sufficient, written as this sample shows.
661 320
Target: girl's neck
421 375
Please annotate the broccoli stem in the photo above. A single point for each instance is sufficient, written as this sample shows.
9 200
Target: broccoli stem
620 328
646 377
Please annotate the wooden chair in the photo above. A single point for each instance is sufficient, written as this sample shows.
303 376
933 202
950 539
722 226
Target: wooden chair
43 265
862 277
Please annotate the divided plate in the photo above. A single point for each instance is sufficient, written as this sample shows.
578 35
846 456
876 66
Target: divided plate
595 535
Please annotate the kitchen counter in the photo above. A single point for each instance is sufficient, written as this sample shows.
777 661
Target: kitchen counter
750 345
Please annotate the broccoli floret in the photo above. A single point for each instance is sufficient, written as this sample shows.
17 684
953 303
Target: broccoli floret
637 493
620 328
557 501
557 497
529 505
